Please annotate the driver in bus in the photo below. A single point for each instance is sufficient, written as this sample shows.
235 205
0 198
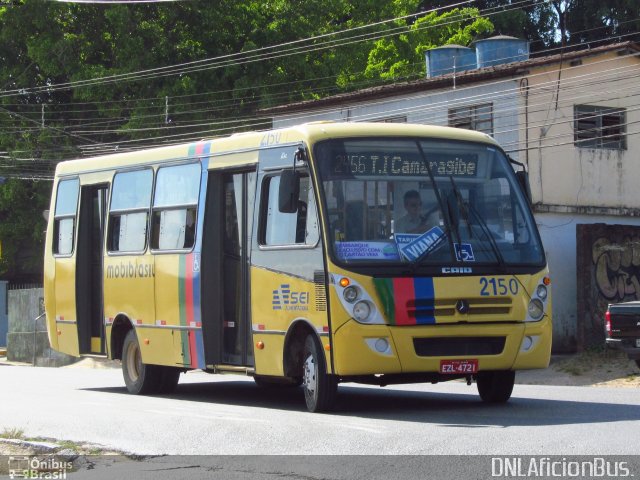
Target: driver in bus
414 221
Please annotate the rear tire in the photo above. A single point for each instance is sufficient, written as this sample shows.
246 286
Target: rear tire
320 388
139 378
638 363
496 387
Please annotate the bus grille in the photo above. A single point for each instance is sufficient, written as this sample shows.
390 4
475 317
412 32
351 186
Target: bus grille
447 307
458 346
319 279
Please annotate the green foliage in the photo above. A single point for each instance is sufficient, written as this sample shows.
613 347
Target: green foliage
589 20
12 433
403 55
22 228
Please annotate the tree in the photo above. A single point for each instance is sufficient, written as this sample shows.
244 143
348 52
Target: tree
594 20
402 55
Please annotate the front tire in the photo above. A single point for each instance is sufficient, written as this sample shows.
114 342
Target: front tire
496 387
139 378
320 388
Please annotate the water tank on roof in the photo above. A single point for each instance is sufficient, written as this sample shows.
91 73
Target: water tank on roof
449 59
500 50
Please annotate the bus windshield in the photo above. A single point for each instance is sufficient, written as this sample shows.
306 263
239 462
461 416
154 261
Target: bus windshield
424 202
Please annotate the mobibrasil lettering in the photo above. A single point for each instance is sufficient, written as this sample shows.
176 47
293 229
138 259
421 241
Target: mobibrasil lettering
131 270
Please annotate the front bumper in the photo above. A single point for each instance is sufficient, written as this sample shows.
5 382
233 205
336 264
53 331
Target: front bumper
526 346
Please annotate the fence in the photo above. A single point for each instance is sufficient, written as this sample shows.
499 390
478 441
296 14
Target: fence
27 339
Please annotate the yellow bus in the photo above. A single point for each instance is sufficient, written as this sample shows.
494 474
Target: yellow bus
312 255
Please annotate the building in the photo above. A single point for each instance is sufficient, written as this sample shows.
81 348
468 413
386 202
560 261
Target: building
573 119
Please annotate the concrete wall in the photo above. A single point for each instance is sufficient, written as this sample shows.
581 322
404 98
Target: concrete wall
4 319
27 340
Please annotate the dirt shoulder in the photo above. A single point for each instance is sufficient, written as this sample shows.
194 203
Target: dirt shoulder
606 368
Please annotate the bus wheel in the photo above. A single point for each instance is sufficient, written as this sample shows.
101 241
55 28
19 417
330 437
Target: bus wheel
320 388
139 378
496 387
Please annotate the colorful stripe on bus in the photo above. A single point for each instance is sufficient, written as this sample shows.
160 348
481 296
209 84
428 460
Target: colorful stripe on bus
407 301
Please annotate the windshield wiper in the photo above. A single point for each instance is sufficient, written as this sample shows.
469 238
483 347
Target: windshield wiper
445 215
485 229
461 208
481 223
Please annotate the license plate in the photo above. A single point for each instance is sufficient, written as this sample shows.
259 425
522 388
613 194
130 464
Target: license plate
458 367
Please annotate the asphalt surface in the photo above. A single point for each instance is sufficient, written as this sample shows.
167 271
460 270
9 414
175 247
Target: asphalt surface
228 415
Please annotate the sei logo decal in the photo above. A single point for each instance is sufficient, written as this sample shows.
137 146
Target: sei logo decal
286 299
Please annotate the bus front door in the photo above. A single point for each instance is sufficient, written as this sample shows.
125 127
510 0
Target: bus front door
225 299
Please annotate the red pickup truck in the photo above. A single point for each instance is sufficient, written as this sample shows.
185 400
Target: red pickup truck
622 328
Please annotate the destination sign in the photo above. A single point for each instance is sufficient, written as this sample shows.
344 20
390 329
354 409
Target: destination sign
368 164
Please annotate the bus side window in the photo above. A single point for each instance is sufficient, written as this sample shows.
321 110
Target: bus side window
129 211
65 217
297 228
174 207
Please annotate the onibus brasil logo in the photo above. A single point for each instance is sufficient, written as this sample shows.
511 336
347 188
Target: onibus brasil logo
38 467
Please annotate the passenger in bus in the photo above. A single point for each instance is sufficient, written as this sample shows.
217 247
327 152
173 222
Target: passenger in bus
414 221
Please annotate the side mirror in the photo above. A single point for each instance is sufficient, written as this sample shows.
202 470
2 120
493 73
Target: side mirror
523 180
289 191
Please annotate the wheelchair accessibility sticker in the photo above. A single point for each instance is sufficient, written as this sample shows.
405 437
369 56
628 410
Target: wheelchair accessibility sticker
464 252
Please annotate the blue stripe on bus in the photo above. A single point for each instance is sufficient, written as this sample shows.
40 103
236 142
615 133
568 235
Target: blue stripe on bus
425 300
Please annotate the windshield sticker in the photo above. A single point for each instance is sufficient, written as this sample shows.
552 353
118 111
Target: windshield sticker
413 249
464 252
367 251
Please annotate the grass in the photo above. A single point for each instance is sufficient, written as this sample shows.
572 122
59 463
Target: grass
596 360
12 433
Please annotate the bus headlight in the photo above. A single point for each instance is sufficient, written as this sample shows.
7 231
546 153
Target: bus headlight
350 294
541 291
361 311
536 309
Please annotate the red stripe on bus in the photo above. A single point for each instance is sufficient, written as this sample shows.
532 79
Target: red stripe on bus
193 353
403 291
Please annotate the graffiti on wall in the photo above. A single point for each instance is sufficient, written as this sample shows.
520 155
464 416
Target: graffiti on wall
617 268
608 265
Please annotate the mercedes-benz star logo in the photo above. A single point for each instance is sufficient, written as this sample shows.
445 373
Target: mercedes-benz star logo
462 306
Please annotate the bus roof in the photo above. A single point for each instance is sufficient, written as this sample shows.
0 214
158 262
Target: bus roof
308 132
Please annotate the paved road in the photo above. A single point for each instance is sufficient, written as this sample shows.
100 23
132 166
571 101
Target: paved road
211 414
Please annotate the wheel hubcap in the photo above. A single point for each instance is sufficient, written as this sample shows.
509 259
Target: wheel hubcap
309 378
133 362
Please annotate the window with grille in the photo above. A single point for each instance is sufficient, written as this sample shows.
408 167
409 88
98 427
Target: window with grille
599 127
396 119
473 117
